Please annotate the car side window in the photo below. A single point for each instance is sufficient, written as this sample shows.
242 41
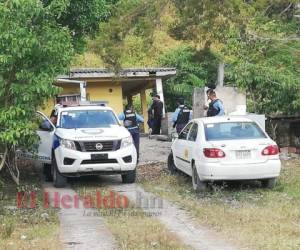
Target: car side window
184 133
193 133
43 123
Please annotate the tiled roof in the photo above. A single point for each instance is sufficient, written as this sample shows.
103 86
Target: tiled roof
128 70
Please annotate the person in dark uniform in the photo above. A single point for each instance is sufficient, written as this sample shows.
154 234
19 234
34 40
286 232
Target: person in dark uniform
150 120
157 107
131 121
215 107
181 116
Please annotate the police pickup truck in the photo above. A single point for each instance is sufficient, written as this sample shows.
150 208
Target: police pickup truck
86 140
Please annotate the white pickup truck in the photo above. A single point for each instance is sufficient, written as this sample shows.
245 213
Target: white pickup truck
87 140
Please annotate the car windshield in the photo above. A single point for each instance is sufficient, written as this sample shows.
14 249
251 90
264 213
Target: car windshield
87 119
233 131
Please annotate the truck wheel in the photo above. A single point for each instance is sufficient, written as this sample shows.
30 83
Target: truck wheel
59 181
129 177
47 172
171 165
198 185
268 183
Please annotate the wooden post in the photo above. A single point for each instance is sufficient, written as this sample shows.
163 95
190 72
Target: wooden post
144 106
199 96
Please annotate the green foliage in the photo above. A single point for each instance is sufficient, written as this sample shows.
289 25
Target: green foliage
80 17
194 69
34 49
257 40
130 19
36 44
265 62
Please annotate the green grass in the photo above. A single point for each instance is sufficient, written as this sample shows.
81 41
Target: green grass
245 214
36 228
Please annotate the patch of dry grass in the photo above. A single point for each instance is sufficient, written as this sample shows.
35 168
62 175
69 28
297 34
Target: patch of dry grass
36 228
141 232
248 215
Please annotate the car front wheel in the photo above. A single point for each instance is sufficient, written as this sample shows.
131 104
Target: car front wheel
198 185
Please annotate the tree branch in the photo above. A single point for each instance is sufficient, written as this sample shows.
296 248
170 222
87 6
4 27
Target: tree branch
3 158
286 9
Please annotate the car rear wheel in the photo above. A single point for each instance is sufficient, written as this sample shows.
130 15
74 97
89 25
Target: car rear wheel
129 177
268 183
171 165
59 181
198 185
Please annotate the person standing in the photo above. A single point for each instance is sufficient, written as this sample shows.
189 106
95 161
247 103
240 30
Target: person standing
215 107
181 116
131 121
150 120
157 107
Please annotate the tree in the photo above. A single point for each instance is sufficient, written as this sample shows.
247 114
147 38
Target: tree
258 41
194 69
36 44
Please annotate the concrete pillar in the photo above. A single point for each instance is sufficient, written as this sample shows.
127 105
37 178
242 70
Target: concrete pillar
221 74
144 106
199 97
83 91
160 92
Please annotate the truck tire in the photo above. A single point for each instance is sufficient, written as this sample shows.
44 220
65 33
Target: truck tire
47 173
129 177
59 181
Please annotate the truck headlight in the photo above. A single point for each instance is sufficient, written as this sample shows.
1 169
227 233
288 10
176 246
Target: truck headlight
67 144
126 142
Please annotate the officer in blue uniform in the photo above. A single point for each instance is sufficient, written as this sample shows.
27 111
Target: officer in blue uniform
181 116
131 121
215 107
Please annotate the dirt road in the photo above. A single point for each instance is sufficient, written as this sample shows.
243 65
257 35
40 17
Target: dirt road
79 231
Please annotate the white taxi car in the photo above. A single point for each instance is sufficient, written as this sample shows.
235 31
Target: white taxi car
225 148
87 140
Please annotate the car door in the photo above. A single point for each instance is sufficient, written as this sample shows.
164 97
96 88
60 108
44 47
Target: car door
46 132
181 153
190 146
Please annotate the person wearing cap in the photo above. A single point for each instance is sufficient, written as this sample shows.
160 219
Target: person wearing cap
181 116
157 107
215 107
131 121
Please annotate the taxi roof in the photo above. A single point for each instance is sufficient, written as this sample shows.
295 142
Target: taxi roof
219 119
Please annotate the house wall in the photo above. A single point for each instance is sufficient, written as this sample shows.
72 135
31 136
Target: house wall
231 97
110 92
96 91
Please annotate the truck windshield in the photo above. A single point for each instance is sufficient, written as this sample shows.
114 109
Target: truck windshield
87 119
233 131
